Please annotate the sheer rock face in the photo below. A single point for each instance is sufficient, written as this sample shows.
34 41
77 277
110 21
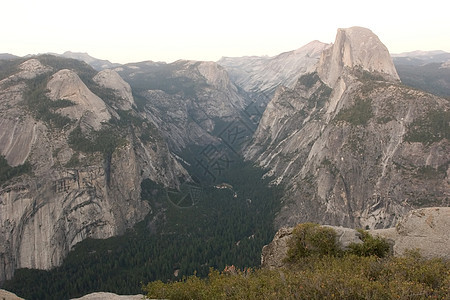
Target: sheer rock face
19 131
43 214
262 75
89 108
342 151
355 47
425 230
111 80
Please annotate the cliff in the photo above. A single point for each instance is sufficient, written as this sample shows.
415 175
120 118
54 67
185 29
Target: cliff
86 160
350 144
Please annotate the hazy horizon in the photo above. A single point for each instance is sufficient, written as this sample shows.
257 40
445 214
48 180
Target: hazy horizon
202 30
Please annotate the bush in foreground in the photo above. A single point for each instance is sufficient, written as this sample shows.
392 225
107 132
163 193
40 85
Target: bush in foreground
312 239
319 269
370 246
326 277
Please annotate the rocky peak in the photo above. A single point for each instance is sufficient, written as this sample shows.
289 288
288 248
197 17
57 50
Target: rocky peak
214 74
356 47
66 84
312 49
111 79
32 68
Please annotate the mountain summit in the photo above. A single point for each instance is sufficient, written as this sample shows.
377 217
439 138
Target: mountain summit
356 47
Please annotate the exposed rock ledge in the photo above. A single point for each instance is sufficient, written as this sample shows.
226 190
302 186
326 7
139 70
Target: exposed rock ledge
424 229
5 295
109 296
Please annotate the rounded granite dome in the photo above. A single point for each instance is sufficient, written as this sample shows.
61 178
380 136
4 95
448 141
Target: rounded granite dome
356 47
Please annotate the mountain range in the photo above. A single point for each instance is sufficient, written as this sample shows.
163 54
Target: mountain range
334 126
428 71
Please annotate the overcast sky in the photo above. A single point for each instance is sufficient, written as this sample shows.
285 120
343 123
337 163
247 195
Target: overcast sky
137 30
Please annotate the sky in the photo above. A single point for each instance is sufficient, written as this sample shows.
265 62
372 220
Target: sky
139 30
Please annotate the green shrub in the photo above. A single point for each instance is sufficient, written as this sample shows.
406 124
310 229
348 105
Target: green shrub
7 172
106 140
311 239
308 80
432 127
326 277
74 161
370 246
358 114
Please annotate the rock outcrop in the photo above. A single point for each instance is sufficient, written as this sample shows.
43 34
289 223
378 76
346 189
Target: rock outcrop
111 80
349 153
109 296
273 254
83 183
425 230
5 295
88 108
30 69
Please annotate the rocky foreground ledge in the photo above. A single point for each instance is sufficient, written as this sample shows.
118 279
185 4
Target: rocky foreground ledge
426 230
109 296
5 295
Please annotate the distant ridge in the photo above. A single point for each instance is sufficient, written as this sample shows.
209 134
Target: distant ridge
7 56
425 70
98 64
418 58
260 76
419 53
